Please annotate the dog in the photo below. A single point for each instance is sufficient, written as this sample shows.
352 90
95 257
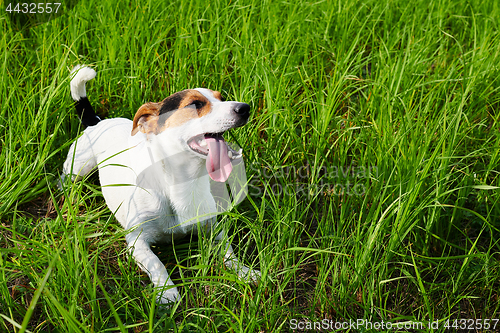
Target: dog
154 170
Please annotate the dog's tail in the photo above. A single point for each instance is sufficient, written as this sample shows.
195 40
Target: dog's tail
81 75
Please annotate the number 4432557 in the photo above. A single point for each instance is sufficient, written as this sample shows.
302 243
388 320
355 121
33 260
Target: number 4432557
471 324
33 8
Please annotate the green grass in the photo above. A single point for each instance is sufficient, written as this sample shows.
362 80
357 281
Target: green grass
373 154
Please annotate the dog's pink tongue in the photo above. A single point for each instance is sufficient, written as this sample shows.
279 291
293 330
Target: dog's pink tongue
218 163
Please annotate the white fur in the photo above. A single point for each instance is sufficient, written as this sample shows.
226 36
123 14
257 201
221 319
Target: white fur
152 214
81 75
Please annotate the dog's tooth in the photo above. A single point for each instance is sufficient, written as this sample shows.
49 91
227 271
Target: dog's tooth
230 154
203 143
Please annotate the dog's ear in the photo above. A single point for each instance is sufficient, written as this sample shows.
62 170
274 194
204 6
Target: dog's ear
146 119
217 95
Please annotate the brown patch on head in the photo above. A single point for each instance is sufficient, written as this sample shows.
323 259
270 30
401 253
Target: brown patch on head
196 99
180 116
184 105
217 95
146 119
173 111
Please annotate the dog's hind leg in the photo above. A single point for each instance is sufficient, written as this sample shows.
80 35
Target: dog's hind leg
80 161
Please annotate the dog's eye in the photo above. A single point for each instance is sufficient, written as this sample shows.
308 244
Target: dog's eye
198 104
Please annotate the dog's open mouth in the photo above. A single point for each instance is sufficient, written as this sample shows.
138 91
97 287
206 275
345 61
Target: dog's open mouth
218 153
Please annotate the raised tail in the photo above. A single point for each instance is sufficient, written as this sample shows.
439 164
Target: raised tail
82 74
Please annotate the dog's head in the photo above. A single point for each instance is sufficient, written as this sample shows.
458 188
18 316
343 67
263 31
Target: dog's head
196 119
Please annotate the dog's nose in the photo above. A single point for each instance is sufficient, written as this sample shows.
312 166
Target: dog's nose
242 109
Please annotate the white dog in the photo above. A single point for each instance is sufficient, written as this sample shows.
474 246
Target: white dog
154 170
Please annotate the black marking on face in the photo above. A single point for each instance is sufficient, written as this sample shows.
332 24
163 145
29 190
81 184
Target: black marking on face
181 107
169 104
198 104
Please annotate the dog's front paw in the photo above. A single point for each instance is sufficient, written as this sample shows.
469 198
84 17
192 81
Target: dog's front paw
254 275
168 297
248 274
60 182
